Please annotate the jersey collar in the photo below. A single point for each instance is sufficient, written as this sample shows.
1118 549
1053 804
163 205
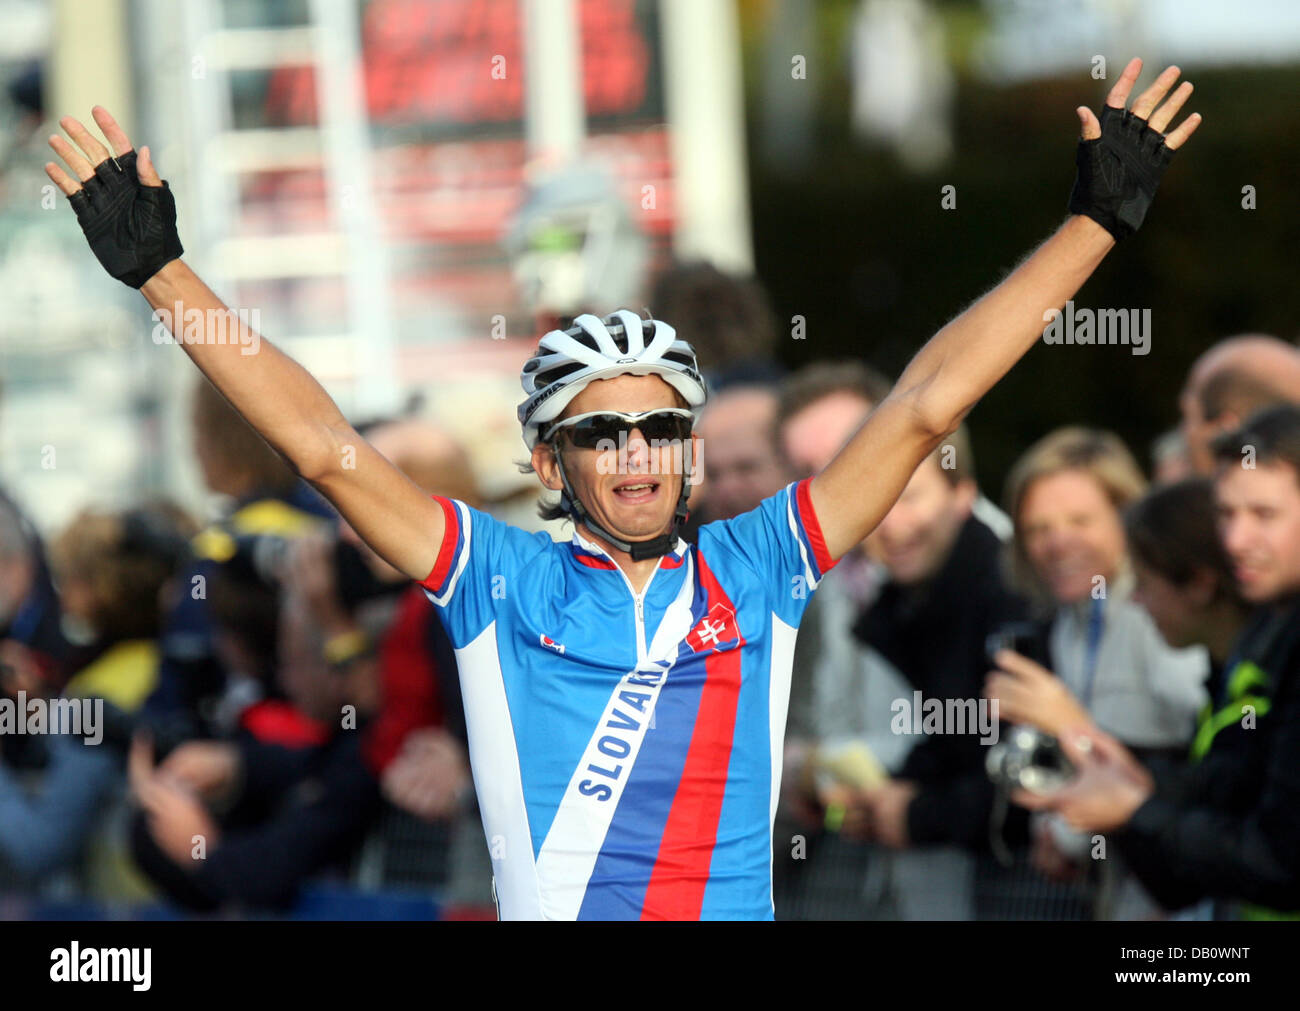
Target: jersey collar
594 556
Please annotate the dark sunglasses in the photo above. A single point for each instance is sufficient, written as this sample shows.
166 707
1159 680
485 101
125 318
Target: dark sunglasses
614 428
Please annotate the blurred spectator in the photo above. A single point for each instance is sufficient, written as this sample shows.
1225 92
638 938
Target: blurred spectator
1183 576
267 499
30 615
243 823
1227 826
840 691
937 548
364 701
417 746
1066 494
727 319
112 570
740 464
821 406
420 687
1231 381
944 573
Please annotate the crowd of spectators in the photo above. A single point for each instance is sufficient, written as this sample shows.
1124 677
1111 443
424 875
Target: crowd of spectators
1141 649
275 696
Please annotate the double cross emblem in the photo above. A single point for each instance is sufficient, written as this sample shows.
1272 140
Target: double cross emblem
714 631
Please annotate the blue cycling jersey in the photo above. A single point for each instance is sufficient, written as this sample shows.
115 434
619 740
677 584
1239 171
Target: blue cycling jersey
627 747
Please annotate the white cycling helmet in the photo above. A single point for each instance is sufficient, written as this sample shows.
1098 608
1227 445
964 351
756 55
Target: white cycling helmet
621 344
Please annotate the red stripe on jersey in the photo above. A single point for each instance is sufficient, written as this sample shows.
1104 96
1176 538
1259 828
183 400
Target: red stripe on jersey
681 870
594 562
811 526
447 551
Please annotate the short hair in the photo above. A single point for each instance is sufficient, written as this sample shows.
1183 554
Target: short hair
1172 530
126 557
232 440
1240 392
1101 455
725 318
817 381
1273 435
249 606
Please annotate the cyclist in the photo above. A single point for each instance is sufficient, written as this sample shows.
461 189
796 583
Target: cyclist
625 694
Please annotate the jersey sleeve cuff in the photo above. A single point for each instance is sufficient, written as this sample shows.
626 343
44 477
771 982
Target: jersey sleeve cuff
811 528
455 543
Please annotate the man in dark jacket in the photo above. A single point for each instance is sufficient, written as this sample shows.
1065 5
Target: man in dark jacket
945 596
1226 825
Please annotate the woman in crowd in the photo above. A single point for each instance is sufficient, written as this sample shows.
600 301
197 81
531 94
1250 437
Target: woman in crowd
1066 497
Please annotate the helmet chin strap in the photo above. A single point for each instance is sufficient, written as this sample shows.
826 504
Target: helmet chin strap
640 551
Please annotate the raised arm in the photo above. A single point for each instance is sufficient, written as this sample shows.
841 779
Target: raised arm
128 215
1118 172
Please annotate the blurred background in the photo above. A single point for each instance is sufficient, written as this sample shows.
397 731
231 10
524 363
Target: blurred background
405 194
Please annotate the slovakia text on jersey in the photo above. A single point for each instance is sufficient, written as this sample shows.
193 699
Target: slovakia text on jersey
627 747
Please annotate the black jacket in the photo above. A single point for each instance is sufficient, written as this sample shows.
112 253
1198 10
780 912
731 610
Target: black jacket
935 635
1228 826
302 810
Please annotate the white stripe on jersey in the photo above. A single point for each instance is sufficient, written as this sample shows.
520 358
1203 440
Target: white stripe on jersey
573 843
810 573
494 756
778 702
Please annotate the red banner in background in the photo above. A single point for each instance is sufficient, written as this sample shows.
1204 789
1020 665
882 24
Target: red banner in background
462 62
449 154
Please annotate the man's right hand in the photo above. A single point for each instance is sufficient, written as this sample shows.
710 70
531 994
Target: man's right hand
126 211
128 215
1122 156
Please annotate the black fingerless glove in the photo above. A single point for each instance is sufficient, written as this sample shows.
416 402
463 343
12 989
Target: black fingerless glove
131 227
1119 172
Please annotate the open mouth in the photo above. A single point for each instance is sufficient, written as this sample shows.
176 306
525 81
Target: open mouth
636 492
